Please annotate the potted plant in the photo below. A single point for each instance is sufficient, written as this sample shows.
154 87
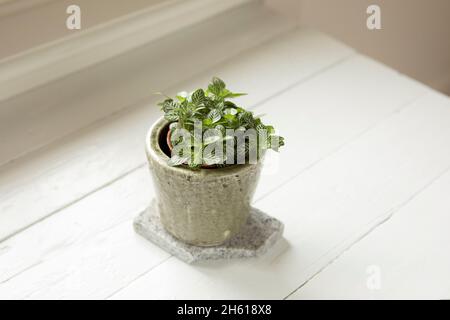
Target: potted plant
205 157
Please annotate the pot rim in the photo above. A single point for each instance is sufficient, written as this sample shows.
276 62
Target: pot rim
154 151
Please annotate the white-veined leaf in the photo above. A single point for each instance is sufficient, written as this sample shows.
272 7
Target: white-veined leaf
214 115
218 83
231 111
171 116
198 96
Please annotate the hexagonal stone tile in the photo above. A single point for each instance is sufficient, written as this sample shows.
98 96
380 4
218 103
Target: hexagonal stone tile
257 236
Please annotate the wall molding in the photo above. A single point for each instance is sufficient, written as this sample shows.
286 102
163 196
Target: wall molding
57 59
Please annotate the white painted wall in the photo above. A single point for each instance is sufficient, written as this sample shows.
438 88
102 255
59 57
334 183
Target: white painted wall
414 38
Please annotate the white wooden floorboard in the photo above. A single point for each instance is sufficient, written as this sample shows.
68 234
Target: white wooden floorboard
61 261
326 209
54 177
322 114
87 251
410 252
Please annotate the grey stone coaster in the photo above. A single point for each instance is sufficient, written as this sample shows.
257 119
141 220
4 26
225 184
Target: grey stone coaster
259 234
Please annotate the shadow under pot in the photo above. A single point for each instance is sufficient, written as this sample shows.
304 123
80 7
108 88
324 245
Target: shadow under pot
204 207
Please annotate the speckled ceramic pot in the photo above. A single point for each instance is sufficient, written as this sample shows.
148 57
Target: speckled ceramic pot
204 207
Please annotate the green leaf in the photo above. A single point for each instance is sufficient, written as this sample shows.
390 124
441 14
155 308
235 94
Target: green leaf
246 119
171 116
218 83
198 96
168 105
230 104
197 110
216 87
260 127
228 94
230 111
220 106
207 122
214 90
270 130
230 117
235 95
182 96
194 166
214 115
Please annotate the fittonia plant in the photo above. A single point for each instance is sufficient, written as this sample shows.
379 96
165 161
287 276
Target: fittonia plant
208 130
